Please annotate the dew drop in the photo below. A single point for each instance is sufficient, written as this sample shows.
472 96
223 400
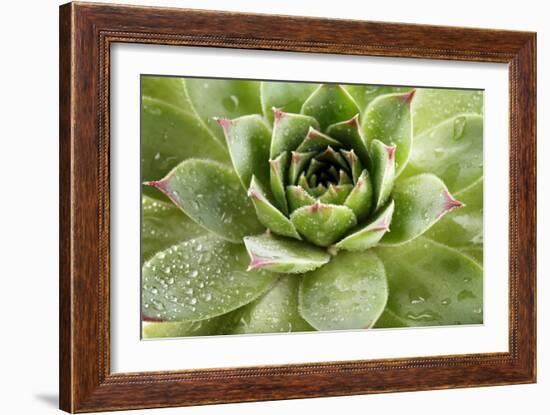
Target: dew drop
465 295
157 305
230 103
458 127
425 316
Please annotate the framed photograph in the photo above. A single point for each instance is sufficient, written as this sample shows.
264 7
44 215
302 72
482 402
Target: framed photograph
253 208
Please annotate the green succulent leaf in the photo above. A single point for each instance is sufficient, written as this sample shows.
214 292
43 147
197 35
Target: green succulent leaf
274 312
303 183
383 172
344 178
297 164
318 190
388 119
350 292
364 94
222 98
355 165
288 96
271 217
350 135
170 135
248 139
323 224
316 141
452 150
360 197
369 235
333 157
330 104
223 324
431 285
313 167
289 131
475 252
298 197
170 90
163 225
211 194
433 106
420 201
336 194
199 279
278 254
278 173
463 228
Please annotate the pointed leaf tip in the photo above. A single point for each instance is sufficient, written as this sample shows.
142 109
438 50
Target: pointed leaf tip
316 207
275 164
390 151
257 262
253 193
408 96
225 123
449 203
354 121
312 133
420 201
277 114
383 224
368 236
158 184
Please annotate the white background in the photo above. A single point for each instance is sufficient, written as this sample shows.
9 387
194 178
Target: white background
129 354
28 217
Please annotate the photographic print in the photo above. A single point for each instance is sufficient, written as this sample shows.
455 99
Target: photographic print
277 207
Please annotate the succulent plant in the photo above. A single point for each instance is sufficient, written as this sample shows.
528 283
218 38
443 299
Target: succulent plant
278 206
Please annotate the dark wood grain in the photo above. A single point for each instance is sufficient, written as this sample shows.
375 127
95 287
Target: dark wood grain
86 33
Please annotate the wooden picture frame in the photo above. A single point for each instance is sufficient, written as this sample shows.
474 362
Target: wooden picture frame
87 32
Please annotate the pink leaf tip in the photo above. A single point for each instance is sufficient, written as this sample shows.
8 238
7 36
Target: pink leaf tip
257 262
408 97
449 203
354 121
296 157
312 133
382 225
277 114
316 207
351 155
157 184
275 165
253 193
390 151
225 123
